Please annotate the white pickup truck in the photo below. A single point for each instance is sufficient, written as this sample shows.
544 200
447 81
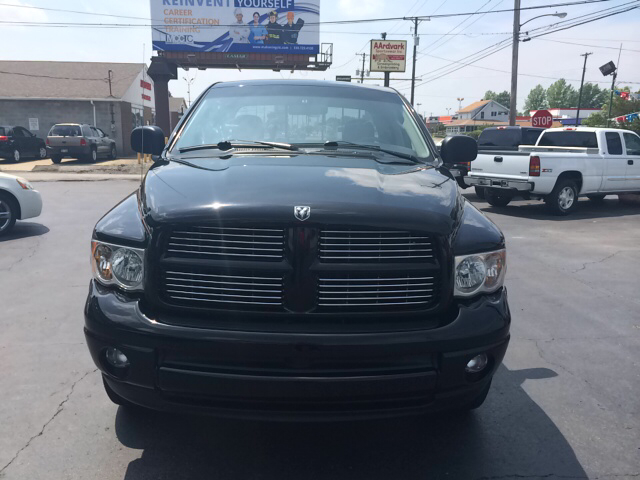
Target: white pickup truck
565 163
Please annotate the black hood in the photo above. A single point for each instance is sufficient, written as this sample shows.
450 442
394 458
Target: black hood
264 189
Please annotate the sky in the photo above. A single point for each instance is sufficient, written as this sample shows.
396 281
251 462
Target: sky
553 56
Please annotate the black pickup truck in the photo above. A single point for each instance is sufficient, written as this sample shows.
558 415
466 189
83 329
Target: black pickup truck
298 250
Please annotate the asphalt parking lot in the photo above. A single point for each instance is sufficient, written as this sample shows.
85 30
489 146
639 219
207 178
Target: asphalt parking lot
565 404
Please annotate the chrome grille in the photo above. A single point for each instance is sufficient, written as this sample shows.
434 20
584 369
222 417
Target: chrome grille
371 246
368 290
207 289
266 244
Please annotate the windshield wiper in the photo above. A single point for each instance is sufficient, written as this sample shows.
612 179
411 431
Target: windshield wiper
230 144
373 148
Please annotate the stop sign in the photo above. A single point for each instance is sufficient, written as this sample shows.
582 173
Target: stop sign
542 118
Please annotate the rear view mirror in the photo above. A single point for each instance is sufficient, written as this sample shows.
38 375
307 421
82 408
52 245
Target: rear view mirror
458 149
148 139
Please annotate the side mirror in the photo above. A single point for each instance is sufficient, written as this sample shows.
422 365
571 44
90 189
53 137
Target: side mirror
148 139
458 149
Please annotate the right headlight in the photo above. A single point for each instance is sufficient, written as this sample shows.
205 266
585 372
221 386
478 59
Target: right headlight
479 273
116 265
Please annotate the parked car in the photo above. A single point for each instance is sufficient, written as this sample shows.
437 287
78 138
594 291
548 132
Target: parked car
501 143
18 201
324 266
17 143
564 164
80 141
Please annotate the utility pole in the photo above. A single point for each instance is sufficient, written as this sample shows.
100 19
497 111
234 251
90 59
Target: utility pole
110 77
387 75
584 69
364 55
416 40
613 85
514 63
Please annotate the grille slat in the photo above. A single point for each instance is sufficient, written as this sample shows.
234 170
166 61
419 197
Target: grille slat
266 244
353 291
351 245
196 288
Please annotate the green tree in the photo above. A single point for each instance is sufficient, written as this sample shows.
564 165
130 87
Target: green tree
503 98
593 96
621 106
537 99
489 95
562 95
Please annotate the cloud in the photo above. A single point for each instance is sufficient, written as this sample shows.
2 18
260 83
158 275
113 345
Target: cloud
359 8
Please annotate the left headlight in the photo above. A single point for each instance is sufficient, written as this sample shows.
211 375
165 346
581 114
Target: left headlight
479 273
117 265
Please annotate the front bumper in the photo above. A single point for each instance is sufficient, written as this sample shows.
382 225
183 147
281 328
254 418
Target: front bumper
30 203
295 376
501 183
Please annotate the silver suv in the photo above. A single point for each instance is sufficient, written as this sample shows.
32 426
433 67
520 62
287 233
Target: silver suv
79 141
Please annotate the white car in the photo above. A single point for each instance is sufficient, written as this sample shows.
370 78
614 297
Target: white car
18 201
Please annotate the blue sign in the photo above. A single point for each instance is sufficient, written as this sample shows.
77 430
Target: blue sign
247 26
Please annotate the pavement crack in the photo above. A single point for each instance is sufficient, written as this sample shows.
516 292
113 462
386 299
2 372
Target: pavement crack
59 409
33 251
584 265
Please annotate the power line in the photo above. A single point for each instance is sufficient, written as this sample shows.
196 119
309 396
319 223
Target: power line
523 74
585 45
496 47
330 22
450 31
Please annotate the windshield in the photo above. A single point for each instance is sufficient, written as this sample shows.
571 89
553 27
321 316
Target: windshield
569 139
304 116
65 131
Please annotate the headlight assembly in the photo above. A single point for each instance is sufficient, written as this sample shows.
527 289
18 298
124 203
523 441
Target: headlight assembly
479 273
116 265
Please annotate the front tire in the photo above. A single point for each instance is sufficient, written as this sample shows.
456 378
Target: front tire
8 213
480 192
114 153
42 153
563 199
496 200
15 156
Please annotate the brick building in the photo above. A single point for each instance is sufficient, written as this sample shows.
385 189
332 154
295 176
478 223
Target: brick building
115 97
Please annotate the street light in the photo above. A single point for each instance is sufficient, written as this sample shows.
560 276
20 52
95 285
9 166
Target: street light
189 83
514 55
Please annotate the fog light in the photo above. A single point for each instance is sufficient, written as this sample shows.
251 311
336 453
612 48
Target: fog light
477 363
116 358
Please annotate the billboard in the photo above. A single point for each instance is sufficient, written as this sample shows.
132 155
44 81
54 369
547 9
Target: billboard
388 56
243 26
